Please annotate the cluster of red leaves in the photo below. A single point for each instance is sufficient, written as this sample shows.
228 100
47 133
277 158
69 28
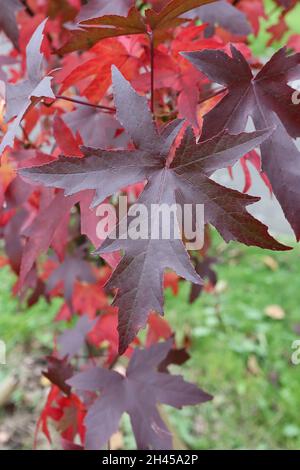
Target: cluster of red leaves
66 118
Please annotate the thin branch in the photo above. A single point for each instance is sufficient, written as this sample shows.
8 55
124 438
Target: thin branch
28 8
109 109
97 106
152 51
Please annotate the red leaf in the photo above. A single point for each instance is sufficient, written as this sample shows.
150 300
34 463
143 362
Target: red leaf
107 26
66 141
158 329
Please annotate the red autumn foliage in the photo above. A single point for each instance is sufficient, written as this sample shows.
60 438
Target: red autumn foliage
104 98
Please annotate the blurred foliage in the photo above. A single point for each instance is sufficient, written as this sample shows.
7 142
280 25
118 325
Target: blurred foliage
241 355
238 353
259 44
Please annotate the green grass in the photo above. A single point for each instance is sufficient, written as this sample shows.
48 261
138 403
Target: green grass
249 411
259 44
20 325
226 329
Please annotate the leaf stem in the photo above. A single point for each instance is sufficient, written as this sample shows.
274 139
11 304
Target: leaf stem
151 38
28 8
97 106
109 109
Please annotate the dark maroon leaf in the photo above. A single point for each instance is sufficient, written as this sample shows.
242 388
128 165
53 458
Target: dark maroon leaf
205 271
176 357
267 98
71 341
58 372
223 14
38 292
98 130
8 20
96 8
286 3
139 276
72 269
137 394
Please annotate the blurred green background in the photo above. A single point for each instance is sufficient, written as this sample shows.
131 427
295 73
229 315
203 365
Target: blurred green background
241 346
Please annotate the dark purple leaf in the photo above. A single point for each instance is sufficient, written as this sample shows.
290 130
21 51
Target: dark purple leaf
267 98
71 341
205 271
139 276
98 130
96 8
72 269
175 357
137 394
223 14
8 20
58 372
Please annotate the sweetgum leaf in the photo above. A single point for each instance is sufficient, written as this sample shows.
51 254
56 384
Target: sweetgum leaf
267 98
8 20
94 29
107 26
96 8
168 17
139 275
72 269
96 129
205 269
70 341
137 393
58 371
223 14
20 97
42 230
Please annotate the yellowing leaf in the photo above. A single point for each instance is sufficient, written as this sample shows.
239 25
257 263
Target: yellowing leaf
275 311
270 262
253 366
